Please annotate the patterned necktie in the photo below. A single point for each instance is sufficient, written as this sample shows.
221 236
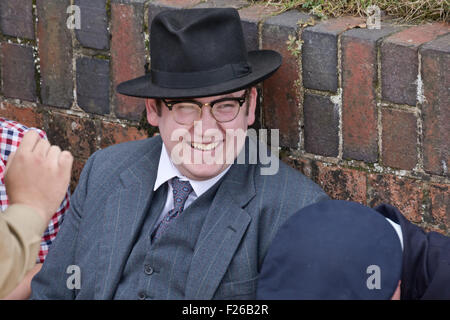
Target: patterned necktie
181 191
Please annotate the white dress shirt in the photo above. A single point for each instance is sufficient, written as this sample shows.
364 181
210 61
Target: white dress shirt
167 171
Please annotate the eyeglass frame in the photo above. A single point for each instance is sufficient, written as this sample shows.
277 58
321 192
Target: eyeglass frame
241 100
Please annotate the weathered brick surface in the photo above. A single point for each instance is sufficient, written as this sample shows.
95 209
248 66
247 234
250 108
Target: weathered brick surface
113 133
177 3
78 135
77 167
16 18
27 116
93 85
359 112
321 125
17 65
55 52
342 183
399 139
436 107
128 55
319 53
399 61
403 193
281 101
158 6
440 204
301 164
250 18
94 24
237 4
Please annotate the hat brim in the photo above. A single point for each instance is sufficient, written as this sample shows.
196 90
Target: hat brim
263 63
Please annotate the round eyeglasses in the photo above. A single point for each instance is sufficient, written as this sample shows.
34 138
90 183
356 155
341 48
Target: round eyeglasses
223 110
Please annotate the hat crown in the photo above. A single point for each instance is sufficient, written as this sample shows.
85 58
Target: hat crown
196 40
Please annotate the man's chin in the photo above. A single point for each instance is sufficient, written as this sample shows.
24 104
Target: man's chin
202 171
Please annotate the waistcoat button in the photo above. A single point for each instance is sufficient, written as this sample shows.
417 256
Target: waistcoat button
142 295
148 269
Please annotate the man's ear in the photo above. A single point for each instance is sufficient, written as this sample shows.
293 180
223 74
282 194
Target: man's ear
152 112
253 95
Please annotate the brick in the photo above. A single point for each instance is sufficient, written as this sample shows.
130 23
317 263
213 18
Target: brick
440 203
250 19
94 24
16 18
18 72
435 108
128 55
77 167
399 61
55 53
237 4
158 6
113 133
342 183
319 53
257 12
300 164
78 135
93 85
359 80
281 101
321 125
30 117
177 3
403 193
399 139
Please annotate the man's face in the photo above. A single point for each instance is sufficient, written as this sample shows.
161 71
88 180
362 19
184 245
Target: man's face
203 149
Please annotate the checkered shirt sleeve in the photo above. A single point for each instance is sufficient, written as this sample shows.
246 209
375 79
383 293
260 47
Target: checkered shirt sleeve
11 133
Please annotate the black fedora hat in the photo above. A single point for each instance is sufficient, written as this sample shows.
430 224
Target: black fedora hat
199 53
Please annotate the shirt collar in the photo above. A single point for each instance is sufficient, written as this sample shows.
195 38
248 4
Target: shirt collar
167 171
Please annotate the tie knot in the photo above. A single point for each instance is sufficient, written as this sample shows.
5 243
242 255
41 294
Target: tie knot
181 191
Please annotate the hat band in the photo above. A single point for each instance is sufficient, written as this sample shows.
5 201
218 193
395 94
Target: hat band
189 80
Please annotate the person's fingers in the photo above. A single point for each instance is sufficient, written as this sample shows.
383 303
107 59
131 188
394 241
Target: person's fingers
42 148
65 162
53 155
29 140
10 160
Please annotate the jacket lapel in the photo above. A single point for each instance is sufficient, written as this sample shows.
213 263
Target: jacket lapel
222 231
125 211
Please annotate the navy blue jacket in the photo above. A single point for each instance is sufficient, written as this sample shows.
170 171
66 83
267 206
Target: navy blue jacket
426 259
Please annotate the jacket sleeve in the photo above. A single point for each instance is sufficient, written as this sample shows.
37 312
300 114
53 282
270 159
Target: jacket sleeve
426 260
21 230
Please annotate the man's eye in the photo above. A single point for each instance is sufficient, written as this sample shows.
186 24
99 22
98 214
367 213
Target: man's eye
185 106
226 105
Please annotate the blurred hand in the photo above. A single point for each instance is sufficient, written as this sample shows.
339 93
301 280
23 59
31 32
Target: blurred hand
38 175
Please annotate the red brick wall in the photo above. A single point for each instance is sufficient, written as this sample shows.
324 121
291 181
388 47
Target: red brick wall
364 113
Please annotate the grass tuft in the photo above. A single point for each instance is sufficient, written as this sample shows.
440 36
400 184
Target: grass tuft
402 11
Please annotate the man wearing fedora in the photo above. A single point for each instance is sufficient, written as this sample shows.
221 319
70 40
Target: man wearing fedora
177 216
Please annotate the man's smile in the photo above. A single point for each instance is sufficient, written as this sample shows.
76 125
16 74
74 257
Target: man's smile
205 146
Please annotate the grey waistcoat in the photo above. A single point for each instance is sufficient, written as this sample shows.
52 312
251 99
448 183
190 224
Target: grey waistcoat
159 270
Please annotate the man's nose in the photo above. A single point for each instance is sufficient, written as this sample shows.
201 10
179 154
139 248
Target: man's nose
207 118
